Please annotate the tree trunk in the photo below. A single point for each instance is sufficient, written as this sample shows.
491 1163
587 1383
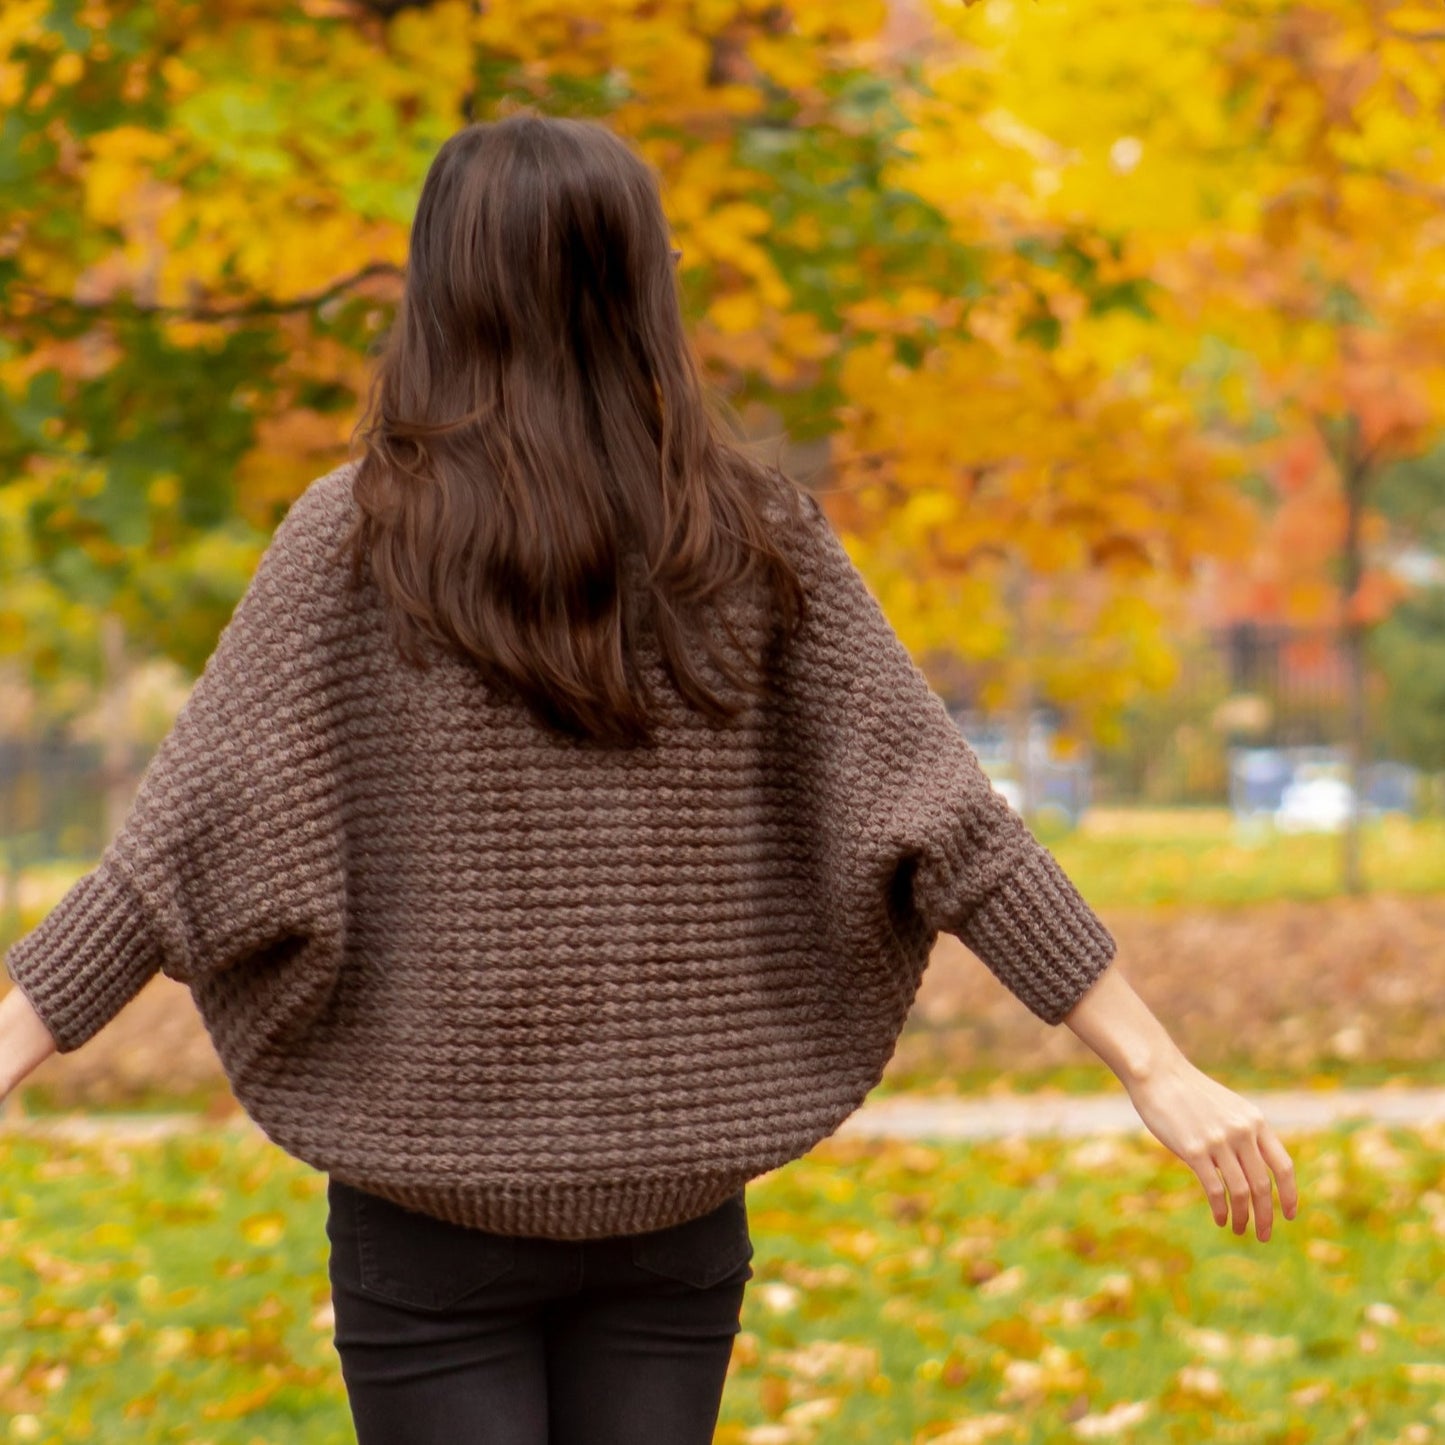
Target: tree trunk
1021 693
1355 474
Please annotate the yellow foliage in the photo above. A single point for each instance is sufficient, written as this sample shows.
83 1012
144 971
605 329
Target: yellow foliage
784 61
1128 183
736 311
22 21
438 40
121 160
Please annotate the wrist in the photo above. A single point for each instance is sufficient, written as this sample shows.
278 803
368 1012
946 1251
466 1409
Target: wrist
1118 1026
1148 1060
25 1040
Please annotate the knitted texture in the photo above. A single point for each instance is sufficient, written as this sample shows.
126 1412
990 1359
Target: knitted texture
534 984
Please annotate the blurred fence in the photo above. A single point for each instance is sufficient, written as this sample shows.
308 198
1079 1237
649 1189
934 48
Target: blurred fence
53 804
52 796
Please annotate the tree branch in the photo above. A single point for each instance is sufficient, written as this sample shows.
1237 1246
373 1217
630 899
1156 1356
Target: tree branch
129 307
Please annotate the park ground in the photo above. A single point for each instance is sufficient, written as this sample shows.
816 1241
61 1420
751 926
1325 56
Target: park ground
1009 1291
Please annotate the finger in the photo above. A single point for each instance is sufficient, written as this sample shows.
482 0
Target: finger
1277 1157
1237 1185
1213 1187
1256 1171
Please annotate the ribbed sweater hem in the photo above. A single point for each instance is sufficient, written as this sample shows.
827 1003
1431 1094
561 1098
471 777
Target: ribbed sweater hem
565 1211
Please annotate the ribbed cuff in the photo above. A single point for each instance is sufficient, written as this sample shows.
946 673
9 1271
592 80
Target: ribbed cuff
1038 936
89 956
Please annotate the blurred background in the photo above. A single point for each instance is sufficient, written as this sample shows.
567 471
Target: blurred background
1111 337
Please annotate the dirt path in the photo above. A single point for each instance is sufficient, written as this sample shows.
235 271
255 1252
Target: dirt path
900 1117
1289 1111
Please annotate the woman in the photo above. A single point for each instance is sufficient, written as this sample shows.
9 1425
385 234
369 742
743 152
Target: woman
556 838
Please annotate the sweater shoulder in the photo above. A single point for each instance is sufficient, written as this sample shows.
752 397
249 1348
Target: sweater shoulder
314 520
791 511
302 563
845 611
805 534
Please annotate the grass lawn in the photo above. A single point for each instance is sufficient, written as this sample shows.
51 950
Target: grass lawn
1126 856
1045 1291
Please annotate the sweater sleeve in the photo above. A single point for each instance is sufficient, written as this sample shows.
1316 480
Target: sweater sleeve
230 851
923 820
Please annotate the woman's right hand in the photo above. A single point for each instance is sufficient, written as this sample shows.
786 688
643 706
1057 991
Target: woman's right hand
1222 1137
25 1042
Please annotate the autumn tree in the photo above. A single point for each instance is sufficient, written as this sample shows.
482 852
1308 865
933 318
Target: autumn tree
1334 280
1025 465
1258 180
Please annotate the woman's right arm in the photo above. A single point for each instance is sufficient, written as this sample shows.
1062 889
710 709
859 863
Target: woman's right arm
1214 1131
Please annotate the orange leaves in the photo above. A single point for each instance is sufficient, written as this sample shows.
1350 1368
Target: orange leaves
1121 555
1302 459
1388 398
1291 576
1375 598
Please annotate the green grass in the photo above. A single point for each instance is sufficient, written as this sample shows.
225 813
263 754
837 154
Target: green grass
40 1100
1010 1292
1139 858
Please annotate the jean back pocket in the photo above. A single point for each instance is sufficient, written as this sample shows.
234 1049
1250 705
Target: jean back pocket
700 1252
408 1258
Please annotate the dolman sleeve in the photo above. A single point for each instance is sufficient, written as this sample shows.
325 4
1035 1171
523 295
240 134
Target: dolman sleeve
921 817
230 851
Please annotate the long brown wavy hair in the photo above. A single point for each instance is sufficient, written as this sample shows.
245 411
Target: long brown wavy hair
536 413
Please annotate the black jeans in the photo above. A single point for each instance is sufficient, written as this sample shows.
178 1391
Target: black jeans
455 1336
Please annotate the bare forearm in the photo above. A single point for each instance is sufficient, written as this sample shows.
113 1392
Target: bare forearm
25 1042
1118 1026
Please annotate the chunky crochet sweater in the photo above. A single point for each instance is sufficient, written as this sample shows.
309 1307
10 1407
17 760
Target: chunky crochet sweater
531 984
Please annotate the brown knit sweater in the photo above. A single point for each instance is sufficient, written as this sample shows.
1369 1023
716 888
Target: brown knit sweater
534 985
